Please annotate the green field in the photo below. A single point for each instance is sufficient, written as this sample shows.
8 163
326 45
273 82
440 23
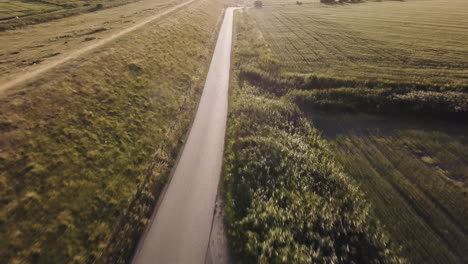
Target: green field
85 150
409 41
416 175
387 85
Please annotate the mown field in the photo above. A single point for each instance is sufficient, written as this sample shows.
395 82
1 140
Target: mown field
85 150
410 41
386 84
16 13
28 48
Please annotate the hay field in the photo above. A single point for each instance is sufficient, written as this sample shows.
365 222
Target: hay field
410 41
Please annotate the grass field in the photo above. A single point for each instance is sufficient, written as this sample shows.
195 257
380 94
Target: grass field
287 199
29 48
410 41
16 13
10 8
415 173
404 60
77 145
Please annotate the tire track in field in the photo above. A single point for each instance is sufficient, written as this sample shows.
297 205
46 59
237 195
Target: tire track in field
277 47
403 189
347 37
291 42
404 209
418 201
313 39
333 49
443 209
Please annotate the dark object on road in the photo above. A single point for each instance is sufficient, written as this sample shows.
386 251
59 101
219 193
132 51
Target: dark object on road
258 4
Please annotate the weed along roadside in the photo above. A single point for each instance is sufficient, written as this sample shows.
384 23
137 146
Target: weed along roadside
76 148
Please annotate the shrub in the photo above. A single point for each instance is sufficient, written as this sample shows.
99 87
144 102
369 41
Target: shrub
258 4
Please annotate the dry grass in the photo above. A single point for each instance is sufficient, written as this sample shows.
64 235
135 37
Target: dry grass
29 48
18 13
76 144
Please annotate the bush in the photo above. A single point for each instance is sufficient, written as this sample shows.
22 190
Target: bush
383 101
258 4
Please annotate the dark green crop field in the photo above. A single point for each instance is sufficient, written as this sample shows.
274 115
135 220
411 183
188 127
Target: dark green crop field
416 175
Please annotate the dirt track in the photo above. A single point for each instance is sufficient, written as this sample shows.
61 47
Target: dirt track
28 75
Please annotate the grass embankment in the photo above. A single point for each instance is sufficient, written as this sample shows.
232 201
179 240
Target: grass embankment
39 11
77 145
287 200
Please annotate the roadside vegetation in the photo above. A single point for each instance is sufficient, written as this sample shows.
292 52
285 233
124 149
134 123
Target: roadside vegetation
18 13
287 199
85 151
391 111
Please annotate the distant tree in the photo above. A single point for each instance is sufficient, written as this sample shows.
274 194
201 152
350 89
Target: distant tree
258 4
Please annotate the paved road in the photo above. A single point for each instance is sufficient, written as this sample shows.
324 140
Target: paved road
180 229
29 76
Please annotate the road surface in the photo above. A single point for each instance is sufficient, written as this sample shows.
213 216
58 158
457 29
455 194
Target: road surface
180 229
30 75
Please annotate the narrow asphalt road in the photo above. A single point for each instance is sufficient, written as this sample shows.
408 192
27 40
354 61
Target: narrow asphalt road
180 229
